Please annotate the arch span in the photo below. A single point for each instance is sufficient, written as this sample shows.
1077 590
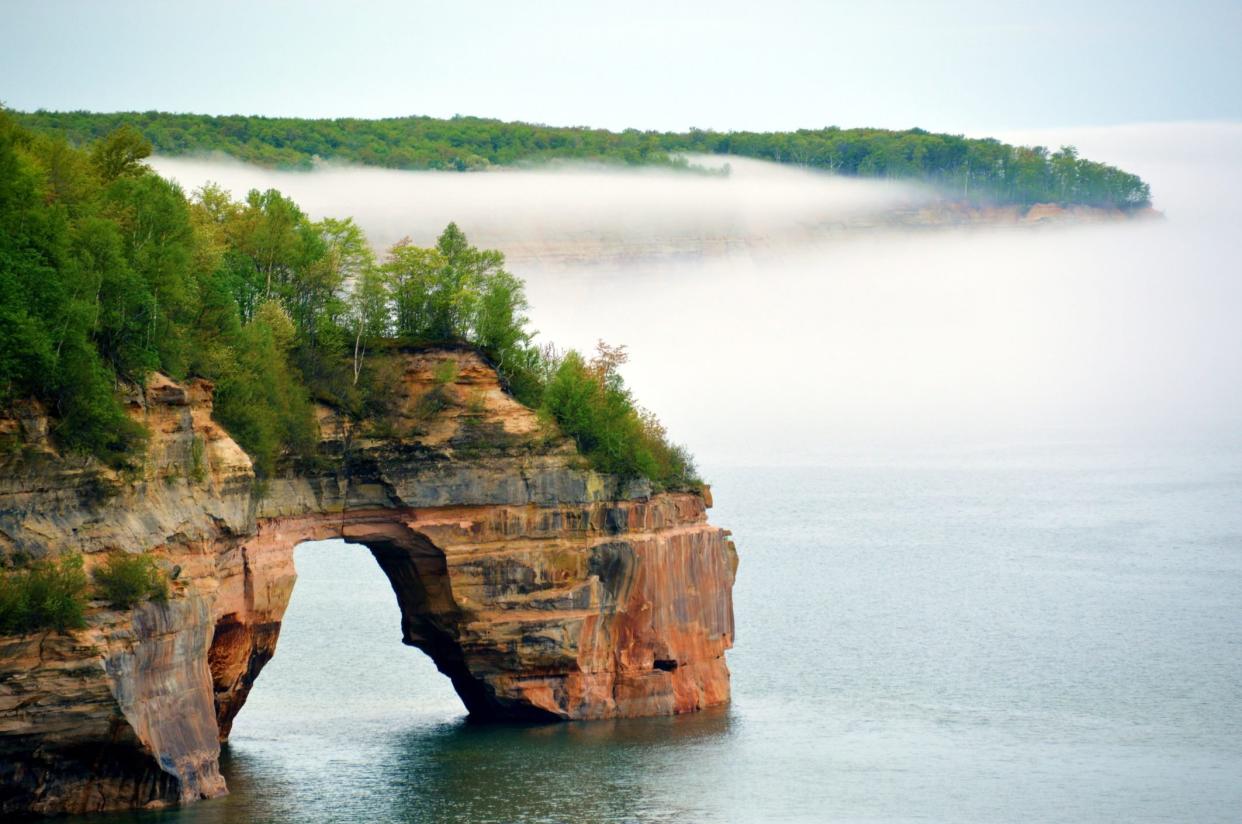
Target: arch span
541 588
534 613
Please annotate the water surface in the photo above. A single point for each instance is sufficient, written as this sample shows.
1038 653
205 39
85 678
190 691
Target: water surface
1007 634
997 577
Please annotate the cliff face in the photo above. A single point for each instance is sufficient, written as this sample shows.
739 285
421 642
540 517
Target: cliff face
542 589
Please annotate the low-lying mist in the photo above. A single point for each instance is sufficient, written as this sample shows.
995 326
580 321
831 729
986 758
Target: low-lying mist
759 338
577 214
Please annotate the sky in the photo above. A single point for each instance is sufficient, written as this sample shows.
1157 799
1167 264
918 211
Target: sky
960 67
872 340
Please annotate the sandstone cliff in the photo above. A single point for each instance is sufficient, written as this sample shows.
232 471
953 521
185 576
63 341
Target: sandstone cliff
541 588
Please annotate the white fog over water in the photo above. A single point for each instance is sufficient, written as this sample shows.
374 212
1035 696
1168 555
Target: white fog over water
770 321
985 486
984 482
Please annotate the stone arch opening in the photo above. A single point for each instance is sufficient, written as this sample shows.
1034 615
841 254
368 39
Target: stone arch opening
339 659
430 617
535 613
247 629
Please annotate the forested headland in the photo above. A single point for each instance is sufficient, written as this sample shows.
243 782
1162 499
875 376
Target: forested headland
109 272
979 171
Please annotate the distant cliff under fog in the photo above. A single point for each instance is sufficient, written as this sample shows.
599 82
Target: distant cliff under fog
582 214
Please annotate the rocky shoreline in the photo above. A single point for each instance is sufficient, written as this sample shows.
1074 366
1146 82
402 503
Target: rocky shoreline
543 590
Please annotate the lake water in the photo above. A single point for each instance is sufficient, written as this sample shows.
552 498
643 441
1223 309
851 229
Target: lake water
931 627
1046 634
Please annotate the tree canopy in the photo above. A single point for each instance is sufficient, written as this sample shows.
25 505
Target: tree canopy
108 272
970 169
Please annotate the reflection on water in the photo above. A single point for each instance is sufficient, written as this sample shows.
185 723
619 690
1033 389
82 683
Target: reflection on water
575 772
460 771
346 724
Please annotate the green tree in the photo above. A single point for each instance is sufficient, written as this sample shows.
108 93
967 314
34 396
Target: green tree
154 221
455 285
412 274
121 153
368 313
112 303
33 245
590 403
500 323
267 232
261 399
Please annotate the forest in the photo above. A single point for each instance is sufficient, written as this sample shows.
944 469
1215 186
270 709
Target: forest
109 272
974 170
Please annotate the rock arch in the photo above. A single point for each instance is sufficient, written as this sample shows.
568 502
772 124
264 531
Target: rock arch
542 589
534 613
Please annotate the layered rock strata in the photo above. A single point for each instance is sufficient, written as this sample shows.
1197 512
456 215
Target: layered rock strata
542 589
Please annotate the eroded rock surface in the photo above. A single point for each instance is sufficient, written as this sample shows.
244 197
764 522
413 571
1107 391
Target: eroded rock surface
541 588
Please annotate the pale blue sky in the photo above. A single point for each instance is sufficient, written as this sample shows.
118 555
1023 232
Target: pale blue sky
963 66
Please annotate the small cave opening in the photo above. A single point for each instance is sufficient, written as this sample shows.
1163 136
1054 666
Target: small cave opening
665 664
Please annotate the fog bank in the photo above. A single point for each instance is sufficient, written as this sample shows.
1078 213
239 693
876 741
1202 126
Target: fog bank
578 214
785 347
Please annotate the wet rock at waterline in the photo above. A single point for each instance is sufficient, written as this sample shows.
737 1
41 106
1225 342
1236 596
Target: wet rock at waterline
542 589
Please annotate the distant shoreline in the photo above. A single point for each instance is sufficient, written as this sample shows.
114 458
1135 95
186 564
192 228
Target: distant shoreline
981 169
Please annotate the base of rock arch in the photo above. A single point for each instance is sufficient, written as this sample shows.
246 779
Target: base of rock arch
543 590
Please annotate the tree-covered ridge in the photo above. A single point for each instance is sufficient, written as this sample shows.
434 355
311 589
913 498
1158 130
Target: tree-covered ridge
974 170
108 272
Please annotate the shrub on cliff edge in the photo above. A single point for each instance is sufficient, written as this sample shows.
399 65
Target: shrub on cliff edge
588 401
125 580
43 595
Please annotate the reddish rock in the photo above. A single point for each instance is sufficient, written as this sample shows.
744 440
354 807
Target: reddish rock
542 589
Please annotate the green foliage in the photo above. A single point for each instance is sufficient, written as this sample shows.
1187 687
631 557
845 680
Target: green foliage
445 372
75 312
432 403
366 314
198 463
153 220
259 397
456 292
126 579
412 280
33 245
590 403
500 322
91 419
120 153
108 272
981 170
381 389
43 595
